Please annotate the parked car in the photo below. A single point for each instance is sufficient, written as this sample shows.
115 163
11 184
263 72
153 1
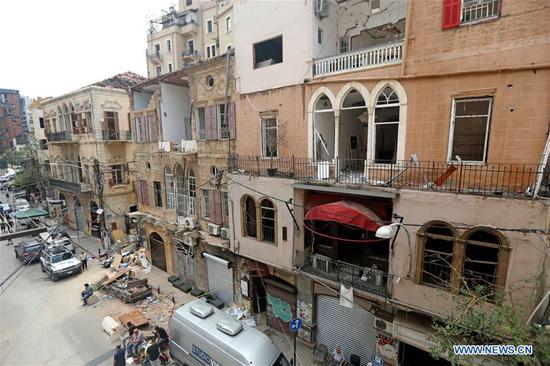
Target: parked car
21 204
28 250
59 240
59 262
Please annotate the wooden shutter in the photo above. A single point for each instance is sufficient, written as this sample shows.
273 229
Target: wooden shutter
451 13
215 207
231 117
105 124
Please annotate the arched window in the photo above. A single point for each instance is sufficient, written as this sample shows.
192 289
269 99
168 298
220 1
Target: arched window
485 261
169 184
192 193
268 225
386 126
248 211
436 246
323 129
181 196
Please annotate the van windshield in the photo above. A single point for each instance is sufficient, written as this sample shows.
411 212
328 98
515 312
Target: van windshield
281 361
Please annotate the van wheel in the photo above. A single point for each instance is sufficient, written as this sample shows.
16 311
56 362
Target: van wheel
54 278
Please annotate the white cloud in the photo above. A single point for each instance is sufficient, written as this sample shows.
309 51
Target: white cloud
53 47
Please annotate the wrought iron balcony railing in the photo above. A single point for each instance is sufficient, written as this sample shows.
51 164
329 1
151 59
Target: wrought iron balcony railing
117 135
70 186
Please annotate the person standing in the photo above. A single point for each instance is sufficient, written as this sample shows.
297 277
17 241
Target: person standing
119 358
86 294
161 337
153 353
84 260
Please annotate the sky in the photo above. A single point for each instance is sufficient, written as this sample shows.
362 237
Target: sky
52 47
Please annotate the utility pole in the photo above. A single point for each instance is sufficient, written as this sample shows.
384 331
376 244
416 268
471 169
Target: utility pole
99 190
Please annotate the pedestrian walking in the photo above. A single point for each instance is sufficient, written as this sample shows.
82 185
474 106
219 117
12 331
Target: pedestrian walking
84 260
119 358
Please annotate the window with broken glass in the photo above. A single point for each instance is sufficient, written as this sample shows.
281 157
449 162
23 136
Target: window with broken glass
386 126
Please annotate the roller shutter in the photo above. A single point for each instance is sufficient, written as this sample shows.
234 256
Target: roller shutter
352 329
220 278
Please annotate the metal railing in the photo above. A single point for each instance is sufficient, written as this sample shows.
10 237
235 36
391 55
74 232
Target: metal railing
70 186
117 135
154 57
59 136
509 180
369 279
358 60
475 10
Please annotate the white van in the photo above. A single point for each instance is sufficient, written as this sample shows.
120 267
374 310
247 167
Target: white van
202 335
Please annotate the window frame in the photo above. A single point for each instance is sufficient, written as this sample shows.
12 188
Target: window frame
244 217
205 204
228 24
260 222
255 63
168 45
170 191
210 51
452 123
208 29
263 134
157 188
319 35
201 132
191 188
158 71
170 68
117 174
221 120
376 124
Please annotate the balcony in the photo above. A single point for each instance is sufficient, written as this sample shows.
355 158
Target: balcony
155 57
59 136
388 54
496 180
70 186
190 55
116 135
368 279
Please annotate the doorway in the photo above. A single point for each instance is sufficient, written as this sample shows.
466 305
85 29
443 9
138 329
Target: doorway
158 251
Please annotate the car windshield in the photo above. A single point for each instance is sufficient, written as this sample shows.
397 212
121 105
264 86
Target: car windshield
61 257
281 361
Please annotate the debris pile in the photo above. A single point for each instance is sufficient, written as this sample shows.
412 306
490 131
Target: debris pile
156 309
130 289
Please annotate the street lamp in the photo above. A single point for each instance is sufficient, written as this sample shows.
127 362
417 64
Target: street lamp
389 231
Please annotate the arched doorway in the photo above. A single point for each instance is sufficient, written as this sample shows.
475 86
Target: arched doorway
353 128
323 129
158 252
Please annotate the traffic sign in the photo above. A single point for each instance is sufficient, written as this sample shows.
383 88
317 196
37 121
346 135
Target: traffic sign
295 324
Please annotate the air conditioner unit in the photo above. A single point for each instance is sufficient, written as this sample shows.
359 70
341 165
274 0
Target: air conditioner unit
213 229
189 240
383 325
321 8
164 146
224 233
321 262
190 222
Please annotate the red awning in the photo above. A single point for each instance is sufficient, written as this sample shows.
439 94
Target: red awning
346 212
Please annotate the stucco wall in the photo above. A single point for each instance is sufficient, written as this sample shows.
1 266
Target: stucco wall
279 254
526 261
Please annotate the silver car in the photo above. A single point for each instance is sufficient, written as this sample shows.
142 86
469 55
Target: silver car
21 204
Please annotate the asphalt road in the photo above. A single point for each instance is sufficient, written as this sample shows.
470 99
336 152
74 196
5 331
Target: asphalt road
44 323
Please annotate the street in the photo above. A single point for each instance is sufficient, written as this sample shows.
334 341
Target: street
43 323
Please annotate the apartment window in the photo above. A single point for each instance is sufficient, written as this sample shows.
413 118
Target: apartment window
190 47
374 6
470 129
169 184
270 147
201 122
344 45
319 35
267 223
158 194
41 121
386 126
209 26
210 51
248 213
169 45
457 12
269 52
188 2
225 206
437 240
205 203
192 189
223 122
228 25
157 49
475 261
117 174
169 68
158 70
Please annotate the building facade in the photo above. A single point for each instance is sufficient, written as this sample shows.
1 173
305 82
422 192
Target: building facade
198 31
11 118
399 118
90 146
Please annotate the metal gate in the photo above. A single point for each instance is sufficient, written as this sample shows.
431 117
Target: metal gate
186 267
352 329
158 254
220 278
